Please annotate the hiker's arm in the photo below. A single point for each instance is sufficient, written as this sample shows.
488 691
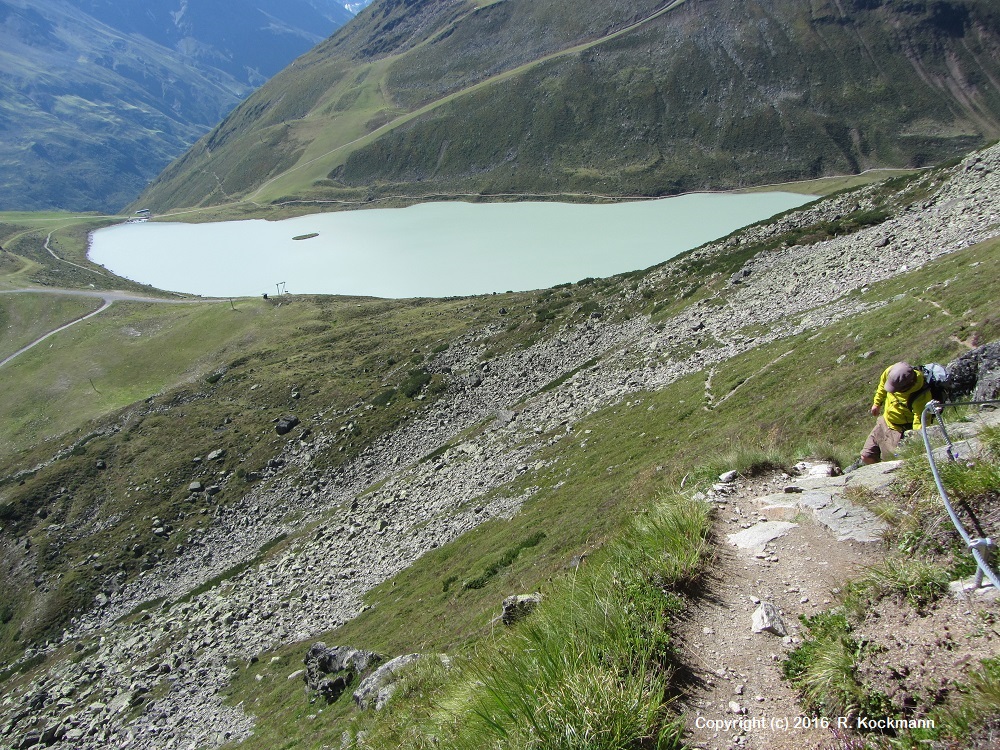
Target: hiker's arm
880 393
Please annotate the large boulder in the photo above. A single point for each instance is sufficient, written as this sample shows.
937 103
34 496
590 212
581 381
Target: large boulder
330 670
284 424
976 374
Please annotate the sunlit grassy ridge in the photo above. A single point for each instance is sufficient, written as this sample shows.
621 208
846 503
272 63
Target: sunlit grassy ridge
624 460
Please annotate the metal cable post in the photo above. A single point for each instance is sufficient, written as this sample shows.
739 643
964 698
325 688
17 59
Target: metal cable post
938 411
979 547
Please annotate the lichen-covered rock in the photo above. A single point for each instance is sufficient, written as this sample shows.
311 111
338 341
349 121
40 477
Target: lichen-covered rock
376 689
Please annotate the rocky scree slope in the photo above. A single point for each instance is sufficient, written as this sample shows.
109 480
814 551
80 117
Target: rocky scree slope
173 660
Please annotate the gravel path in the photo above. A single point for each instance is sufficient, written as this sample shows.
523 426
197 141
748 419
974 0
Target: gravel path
738 698
109 299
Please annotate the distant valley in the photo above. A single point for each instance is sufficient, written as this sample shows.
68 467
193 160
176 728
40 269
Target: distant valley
98 96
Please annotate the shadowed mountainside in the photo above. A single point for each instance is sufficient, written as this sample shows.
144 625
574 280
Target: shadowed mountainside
98 96
634 97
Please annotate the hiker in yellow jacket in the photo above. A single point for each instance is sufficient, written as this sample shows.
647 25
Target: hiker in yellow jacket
900 398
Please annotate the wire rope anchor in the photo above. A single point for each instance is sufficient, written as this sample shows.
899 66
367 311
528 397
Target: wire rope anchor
938 408
985 548
980 548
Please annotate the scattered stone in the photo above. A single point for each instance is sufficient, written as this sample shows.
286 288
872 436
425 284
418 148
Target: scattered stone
729 476
767 619
816 469
216 455
966 589
196 487
377 688
756 537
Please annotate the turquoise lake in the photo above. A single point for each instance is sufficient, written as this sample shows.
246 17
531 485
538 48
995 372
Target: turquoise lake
427 250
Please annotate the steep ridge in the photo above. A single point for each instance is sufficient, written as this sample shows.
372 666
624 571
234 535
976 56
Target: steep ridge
637 98
360 525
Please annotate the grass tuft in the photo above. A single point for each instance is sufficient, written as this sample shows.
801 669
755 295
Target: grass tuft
919 583
824 669
591 668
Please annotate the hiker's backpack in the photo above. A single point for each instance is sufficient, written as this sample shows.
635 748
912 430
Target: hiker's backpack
936 380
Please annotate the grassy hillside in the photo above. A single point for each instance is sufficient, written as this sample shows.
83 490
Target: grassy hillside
636 98
529 396
636 456
25 261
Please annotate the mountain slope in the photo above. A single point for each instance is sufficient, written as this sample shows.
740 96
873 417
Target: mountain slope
98 96
250 40
638 97
143 596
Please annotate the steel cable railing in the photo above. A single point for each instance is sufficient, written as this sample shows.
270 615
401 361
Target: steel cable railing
980 548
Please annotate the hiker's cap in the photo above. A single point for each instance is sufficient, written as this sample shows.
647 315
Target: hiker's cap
902 376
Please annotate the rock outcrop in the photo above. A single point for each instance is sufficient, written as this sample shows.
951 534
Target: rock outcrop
976 374
518 606
329 671
377 688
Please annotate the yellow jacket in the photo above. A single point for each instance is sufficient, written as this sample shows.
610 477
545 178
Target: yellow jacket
897 413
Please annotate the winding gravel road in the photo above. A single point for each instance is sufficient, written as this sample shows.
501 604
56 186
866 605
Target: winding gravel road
109 297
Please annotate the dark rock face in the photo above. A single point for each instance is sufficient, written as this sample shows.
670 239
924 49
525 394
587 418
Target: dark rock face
518 606
976 374
330 670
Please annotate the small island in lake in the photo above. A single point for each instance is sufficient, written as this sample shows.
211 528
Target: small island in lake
306 236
